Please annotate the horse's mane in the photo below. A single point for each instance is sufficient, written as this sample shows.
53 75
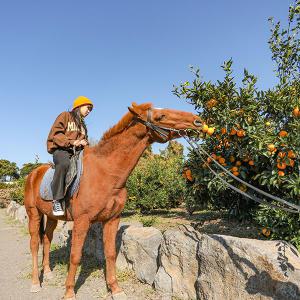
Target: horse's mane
122 124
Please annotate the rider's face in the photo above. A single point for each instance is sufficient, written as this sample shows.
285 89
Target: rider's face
85 110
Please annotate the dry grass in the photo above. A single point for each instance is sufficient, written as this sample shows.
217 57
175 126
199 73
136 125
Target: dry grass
209 222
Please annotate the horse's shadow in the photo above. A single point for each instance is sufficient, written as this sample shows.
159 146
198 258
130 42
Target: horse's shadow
90 262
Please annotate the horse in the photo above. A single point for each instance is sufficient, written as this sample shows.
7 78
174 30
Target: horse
102 193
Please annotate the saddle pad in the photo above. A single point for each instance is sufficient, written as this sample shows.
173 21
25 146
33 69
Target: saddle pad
45 187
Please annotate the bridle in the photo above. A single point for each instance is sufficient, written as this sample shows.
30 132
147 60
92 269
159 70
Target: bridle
163 132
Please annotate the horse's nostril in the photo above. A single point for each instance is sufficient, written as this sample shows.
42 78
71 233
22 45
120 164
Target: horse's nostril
197 123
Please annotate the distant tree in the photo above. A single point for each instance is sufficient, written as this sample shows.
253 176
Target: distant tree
175 148
28 167
148 152
8 168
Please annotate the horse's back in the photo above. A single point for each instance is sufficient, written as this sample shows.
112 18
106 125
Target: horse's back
32 185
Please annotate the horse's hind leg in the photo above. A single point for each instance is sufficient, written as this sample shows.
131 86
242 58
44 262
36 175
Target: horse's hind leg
34 229
50 226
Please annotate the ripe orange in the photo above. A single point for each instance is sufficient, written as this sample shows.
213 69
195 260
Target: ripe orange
281 166
271 147
281 154
204 128
189 175
291 154
281 173
223 130
291 163
241 133
283 133
266 232
296 112
210 130
251 162
221 160
232 131
238 163
236 173
234 169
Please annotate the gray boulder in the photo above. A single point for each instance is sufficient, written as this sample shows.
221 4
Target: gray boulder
212 267
239 268
178 265
12 209
21 215
139 249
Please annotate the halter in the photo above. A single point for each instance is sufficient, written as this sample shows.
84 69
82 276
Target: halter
163 132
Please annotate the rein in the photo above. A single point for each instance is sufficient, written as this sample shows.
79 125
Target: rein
164 133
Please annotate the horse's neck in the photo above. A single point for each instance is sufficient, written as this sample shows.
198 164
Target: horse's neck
122 152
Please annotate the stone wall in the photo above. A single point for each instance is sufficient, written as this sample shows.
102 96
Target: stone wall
185 264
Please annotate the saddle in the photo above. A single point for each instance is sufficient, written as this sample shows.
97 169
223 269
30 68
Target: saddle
72 178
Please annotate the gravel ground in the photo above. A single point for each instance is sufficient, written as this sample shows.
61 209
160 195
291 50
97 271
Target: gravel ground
15 261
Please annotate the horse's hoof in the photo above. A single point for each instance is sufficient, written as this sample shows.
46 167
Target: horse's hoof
119 296
72 298
35 288
48 276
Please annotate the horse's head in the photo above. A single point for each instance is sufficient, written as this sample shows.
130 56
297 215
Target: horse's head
165 124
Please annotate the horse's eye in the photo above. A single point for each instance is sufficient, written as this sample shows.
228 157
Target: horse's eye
159 118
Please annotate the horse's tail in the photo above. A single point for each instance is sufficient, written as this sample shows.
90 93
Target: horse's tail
42 229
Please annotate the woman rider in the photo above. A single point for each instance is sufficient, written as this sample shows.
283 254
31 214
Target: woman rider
67 131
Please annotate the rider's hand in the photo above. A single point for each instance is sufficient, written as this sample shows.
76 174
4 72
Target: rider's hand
83 142
76 143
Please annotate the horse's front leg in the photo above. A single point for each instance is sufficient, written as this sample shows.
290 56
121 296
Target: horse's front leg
110 229
80 229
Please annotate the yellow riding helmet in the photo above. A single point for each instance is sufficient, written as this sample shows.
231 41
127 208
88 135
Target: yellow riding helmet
82 100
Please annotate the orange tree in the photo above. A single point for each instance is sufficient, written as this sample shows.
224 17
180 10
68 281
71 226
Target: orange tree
254 134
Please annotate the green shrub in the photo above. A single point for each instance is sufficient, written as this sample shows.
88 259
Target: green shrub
156 182
4 186
148 221
17 194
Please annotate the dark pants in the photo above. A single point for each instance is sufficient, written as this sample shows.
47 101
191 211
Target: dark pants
61 159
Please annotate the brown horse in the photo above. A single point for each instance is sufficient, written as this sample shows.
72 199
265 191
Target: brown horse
102 193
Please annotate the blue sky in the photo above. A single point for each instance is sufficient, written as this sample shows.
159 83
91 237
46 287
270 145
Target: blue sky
116 52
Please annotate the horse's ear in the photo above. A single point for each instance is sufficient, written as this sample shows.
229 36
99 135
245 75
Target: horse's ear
134 104
133 111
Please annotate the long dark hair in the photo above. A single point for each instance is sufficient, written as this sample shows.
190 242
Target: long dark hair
79 120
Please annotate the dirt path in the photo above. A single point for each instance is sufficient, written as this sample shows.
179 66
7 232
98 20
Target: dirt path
15 262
